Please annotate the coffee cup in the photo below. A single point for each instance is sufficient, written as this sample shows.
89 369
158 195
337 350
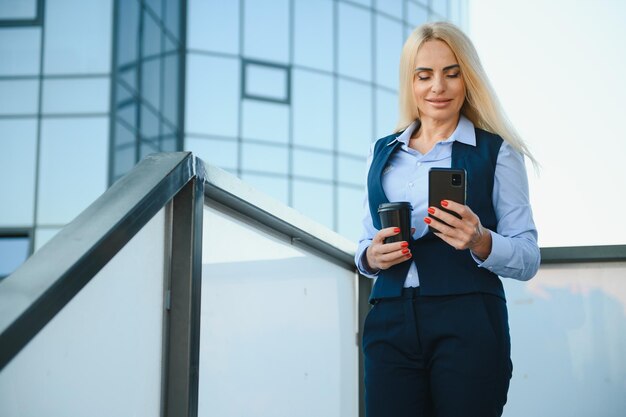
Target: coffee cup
396 214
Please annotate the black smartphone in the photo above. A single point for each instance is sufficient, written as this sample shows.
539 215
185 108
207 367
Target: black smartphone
446 184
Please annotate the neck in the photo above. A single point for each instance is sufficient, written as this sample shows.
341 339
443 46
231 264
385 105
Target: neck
432 131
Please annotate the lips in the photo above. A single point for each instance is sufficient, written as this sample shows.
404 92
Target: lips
439 102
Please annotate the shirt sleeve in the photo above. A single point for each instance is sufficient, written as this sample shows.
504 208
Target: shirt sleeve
514 251
368 229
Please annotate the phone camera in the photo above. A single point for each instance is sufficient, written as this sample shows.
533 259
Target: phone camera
457 180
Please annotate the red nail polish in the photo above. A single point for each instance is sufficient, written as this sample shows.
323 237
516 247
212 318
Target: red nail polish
427 220
405 251
404 244
444 203
396 230
408 255
431 210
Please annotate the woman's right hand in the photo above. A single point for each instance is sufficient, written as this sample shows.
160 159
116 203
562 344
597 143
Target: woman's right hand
381 255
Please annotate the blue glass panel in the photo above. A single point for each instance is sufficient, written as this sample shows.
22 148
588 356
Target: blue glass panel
314 200
213 25
127 32
13 252
170 89
73 167
313 164
148 147
18 9
350 212
149 123
18 141
151 82
416 14
212 96
355 42
354 118
221 153
389 40
19 49
168 144
313 109
78 95
352 170
266 32
271 186
266 81
155 6
313 34
124 151
19 96
440 7
266 121
386 113
172 17
391 7
367 3
78 36
264 158
151 39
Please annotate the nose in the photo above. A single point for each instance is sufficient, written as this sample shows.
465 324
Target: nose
439 85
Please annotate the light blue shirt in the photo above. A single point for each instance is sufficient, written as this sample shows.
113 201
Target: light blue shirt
514 250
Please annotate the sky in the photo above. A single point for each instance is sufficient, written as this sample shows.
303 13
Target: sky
557 67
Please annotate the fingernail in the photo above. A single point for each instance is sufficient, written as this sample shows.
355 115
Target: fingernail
396 230
405 251
405 244
408 255
431 210
444 203
427 220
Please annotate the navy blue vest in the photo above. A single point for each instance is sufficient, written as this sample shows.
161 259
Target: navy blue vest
442 269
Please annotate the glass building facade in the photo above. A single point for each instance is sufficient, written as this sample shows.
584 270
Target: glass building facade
286 94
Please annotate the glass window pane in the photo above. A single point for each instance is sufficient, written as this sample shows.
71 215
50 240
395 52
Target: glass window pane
73 167
212 105
391 7
19 96
313 34
124 151
151 82
440 7
416 14
266 81
172 17
266 33
313 109
389 41
171 89
43 235
78 36
18 9
352 170
76 95
19 49
221 153
313 164
363 2
155 6
355 42
386 113
354 118
350 212
127 33
149 123
151 38
264 158
272 186
265 121
314 200
18 143
213 25
13 252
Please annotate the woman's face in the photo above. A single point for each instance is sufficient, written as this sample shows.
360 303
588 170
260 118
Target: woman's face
438 85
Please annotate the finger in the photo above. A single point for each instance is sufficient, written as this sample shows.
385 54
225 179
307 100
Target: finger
385 233
445 217
393 258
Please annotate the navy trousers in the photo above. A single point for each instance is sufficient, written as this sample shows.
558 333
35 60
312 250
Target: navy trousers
446 356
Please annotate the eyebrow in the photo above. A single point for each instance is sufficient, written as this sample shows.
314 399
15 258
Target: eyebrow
449 67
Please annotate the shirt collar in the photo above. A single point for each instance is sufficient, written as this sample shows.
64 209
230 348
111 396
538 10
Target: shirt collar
463 133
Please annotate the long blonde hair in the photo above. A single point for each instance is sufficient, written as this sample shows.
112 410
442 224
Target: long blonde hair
481 104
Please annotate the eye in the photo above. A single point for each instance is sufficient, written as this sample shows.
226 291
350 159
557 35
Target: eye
422 76
454 75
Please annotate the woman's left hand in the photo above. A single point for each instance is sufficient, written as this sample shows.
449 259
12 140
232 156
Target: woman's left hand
464 233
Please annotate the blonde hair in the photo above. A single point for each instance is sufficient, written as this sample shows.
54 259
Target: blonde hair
481 104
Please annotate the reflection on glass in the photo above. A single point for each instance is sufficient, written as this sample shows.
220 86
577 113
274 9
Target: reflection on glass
313 164
213 25
264 158
18 139
78 95
72 168
13 252
314 200
18 96
170 89
149 123
18 10
19 49
151 38
313 34
313 109
265 121
354 119
389 41
212 105
78 37
127 29
266 32
172 16
266 81
124 150
355 42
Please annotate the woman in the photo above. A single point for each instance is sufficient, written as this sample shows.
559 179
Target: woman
436 342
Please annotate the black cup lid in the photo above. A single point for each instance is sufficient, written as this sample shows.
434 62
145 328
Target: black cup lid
397 205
